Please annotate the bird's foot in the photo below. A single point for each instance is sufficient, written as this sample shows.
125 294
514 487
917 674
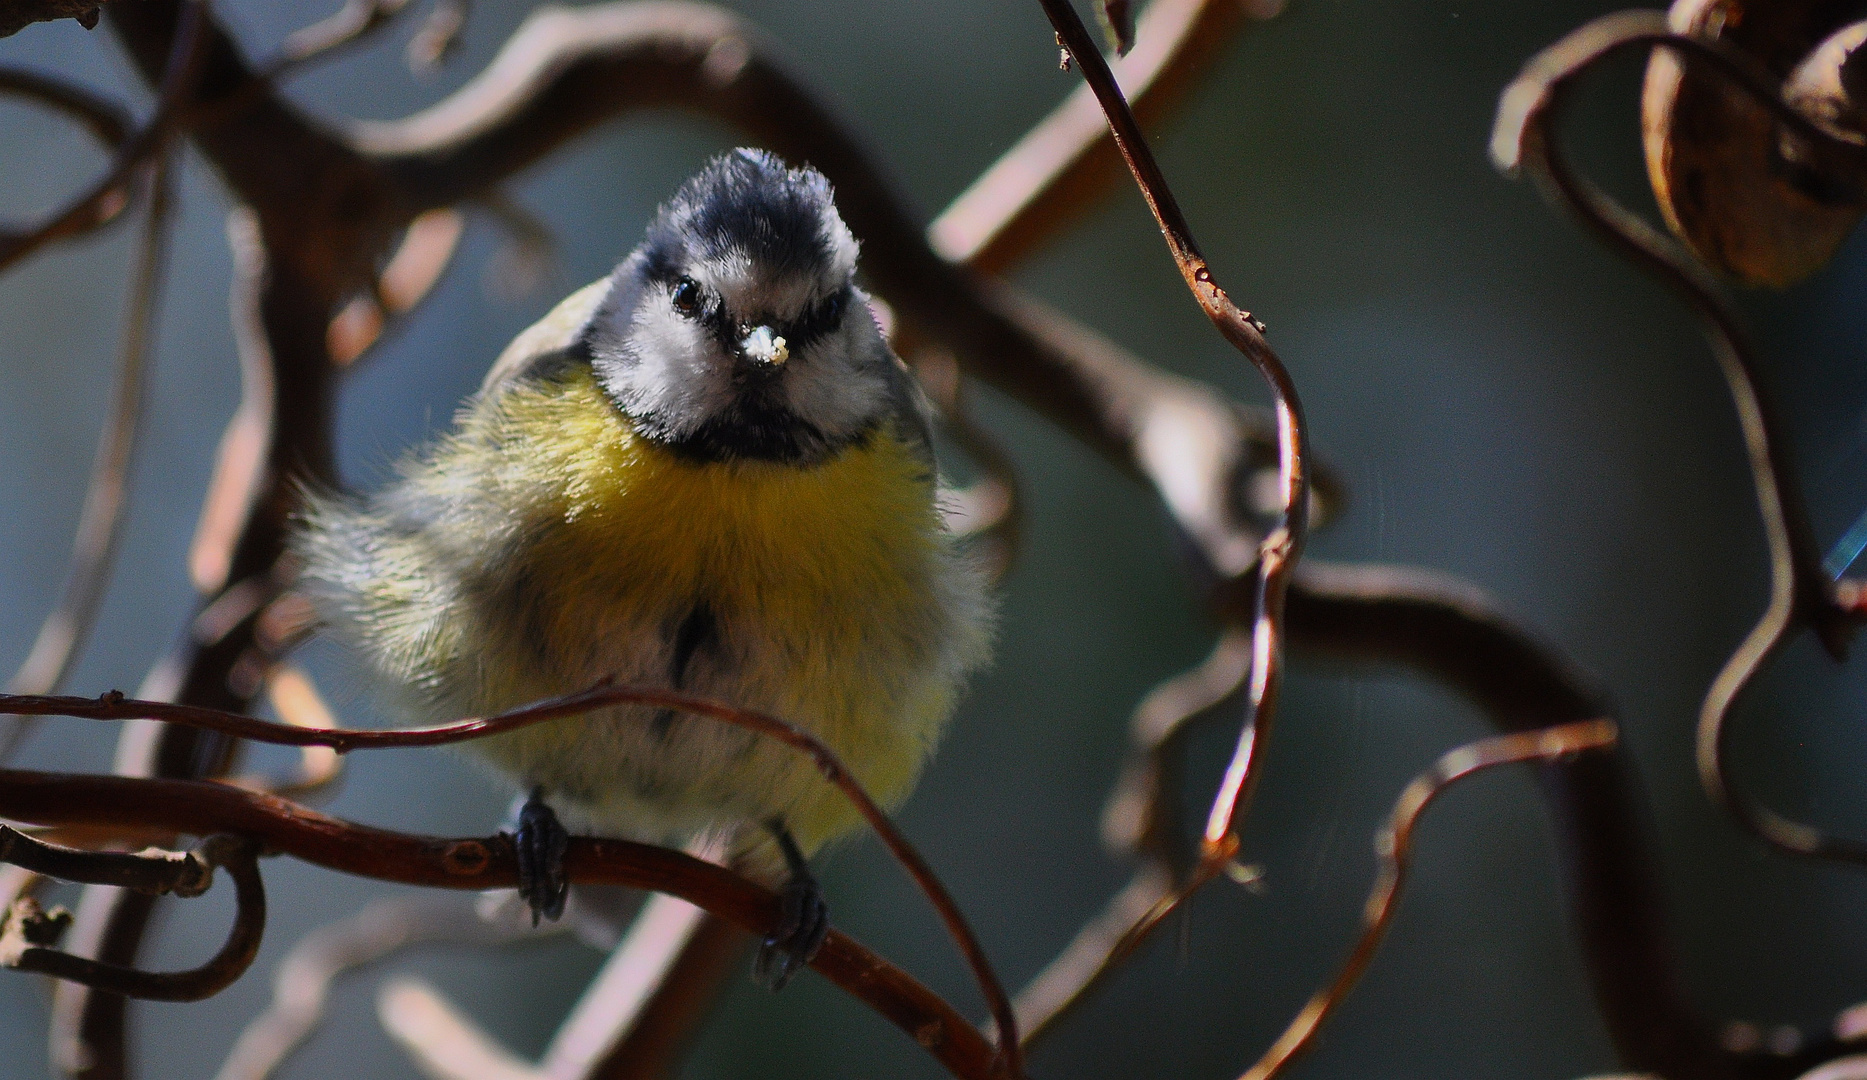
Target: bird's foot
803 923
540 843
800 933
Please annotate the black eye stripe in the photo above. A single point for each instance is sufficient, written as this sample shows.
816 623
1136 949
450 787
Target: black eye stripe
820 321
708 309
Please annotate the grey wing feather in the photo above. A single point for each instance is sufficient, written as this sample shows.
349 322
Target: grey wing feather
559 339
910 410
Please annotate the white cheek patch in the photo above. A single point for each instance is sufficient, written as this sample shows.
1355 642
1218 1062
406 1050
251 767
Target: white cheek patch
838 384
673 370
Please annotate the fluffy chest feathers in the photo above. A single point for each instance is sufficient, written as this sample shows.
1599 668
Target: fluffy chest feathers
545 545
823 564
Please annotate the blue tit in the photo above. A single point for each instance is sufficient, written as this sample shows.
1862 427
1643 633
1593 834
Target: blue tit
707 472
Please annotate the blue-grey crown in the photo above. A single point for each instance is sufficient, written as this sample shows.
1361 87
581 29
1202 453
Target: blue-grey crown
746 201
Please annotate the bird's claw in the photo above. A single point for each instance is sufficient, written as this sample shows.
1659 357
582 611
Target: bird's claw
540 844
804 921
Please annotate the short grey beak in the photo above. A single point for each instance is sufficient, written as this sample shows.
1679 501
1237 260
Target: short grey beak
764 348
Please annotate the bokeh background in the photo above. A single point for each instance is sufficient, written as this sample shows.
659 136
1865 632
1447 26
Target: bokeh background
1505 401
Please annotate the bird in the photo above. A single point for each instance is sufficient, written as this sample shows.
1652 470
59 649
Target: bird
707 472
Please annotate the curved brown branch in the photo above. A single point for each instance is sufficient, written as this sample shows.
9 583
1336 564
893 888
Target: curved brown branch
1140 821
204 808
295 698
114 706
183 873
106 494
240 857
107 195
1061 166
108 122
1800 593
355 21
1455 634
1283 545
1393 845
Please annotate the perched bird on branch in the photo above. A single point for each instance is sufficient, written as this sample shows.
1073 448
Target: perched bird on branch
708 473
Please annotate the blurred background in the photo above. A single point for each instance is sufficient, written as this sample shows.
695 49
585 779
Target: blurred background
1505 401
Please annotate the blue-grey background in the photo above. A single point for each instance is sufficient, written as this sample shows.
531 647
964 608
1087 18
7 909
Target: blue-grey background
1505 401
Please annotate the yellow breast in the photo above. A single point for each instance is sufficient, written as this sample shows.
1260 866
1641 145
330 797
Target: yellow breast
841 546
825 581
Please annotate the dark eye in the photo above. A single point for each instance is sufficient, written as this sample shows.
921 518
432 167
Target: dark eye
831 310
687 296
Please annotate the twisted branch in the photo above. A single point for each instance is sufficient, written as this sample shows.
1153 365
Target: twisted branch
151 873
203 808
1800 593
114 706
109 194
596 63
1393 845
1283 544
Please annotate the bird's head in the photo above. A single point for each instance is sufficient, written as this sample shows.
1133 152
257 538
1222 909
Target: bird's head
736 330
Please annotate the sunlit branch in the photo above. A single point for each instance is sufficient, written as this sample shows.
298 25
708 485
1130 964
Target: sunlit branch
1054 174
1283 544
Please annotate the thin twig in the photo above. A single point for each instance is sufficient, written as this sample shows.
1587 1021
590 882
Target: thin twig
1451 632
240 858
1283 545
100 525
1140 821
114 706
203 807
295 698
101 202
1393 845
1800 593
183 873
108 122
1063 164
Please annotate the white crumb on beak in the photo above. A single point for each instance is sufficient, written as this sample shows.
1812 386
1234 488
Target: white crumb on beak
765 347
